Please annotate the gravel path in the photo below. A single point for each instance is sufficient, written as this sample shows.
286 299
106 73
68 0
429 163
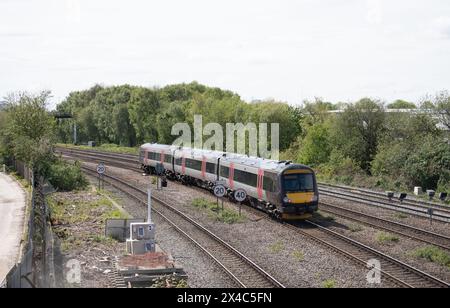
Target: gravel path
293 259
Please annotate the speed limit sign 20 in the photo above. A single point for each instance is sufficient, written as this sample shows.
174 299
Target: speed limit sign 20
219 191
101 169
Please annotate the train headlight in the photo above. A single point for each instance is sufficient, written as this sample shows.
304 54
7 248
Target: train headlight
315 198
286 200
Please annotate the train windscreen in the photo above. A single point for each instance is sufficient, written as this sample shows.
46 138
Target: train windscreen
301 182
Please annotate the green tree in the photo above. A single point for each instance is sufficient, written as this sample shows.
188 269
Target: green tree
316 147
429 165
30 129
3 137
175 113
317 111
442 108
275 112
408 127
123 130
143 109
401 104
357 130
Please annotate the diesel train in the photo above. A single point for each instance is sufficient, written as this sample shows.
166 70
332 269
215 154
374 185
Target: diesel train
284 190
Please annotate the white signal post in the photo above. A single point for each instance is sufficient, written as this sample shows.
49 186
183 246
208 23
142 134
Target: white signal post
149 201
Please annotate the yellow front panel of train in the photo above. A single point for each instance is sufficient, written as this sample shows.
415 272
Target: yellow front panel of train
301 197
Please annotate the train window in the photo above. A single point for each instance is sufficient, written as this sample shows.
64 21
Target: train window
268 184
298 183
194 164
178 161
168 158
245 177
154 156
224 172
211 168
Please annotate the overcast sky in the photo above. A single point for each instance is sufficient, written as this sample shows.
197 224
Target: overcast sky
339 50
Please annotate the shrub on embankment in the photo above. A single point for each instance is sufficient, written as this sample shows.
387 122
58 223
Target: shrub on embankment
66 177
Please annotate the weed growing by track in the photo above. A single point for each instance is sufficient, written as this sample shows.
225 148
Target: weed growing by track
298 256
355 228
400 216
79 218
385 238
433 254
276 247
329 284
228 216
324 217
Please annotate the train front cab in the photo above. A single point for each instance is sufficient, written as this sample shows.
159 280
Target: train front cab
299 193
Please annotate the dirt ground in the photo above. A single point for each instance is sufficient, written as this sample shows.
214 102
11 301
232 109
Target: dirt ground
78 220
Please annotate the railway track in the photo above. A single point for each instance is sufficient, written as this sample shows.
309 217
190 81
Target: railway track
414 207
240 268
123 162
394 270
421 235
382 196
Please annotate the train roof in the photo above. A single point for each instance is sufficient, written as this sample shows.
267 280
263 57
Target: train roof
265 164
199 152
249 161
190 151
157 146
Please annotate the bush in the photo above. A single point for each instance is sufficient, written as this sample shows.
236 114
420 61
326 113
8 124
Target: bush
384 238
429 165
316 146
66 177
227 216
341 169
390 159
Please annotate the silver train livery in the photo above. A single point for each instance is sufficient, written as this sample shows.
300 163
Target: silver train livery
284 190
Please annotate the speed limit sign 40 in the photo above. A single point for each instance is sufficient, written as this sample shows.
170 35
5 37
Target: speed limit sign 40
219 191
240 195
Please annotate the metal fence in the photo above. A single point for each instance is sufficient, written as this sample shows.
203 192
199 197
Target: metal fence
35 269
